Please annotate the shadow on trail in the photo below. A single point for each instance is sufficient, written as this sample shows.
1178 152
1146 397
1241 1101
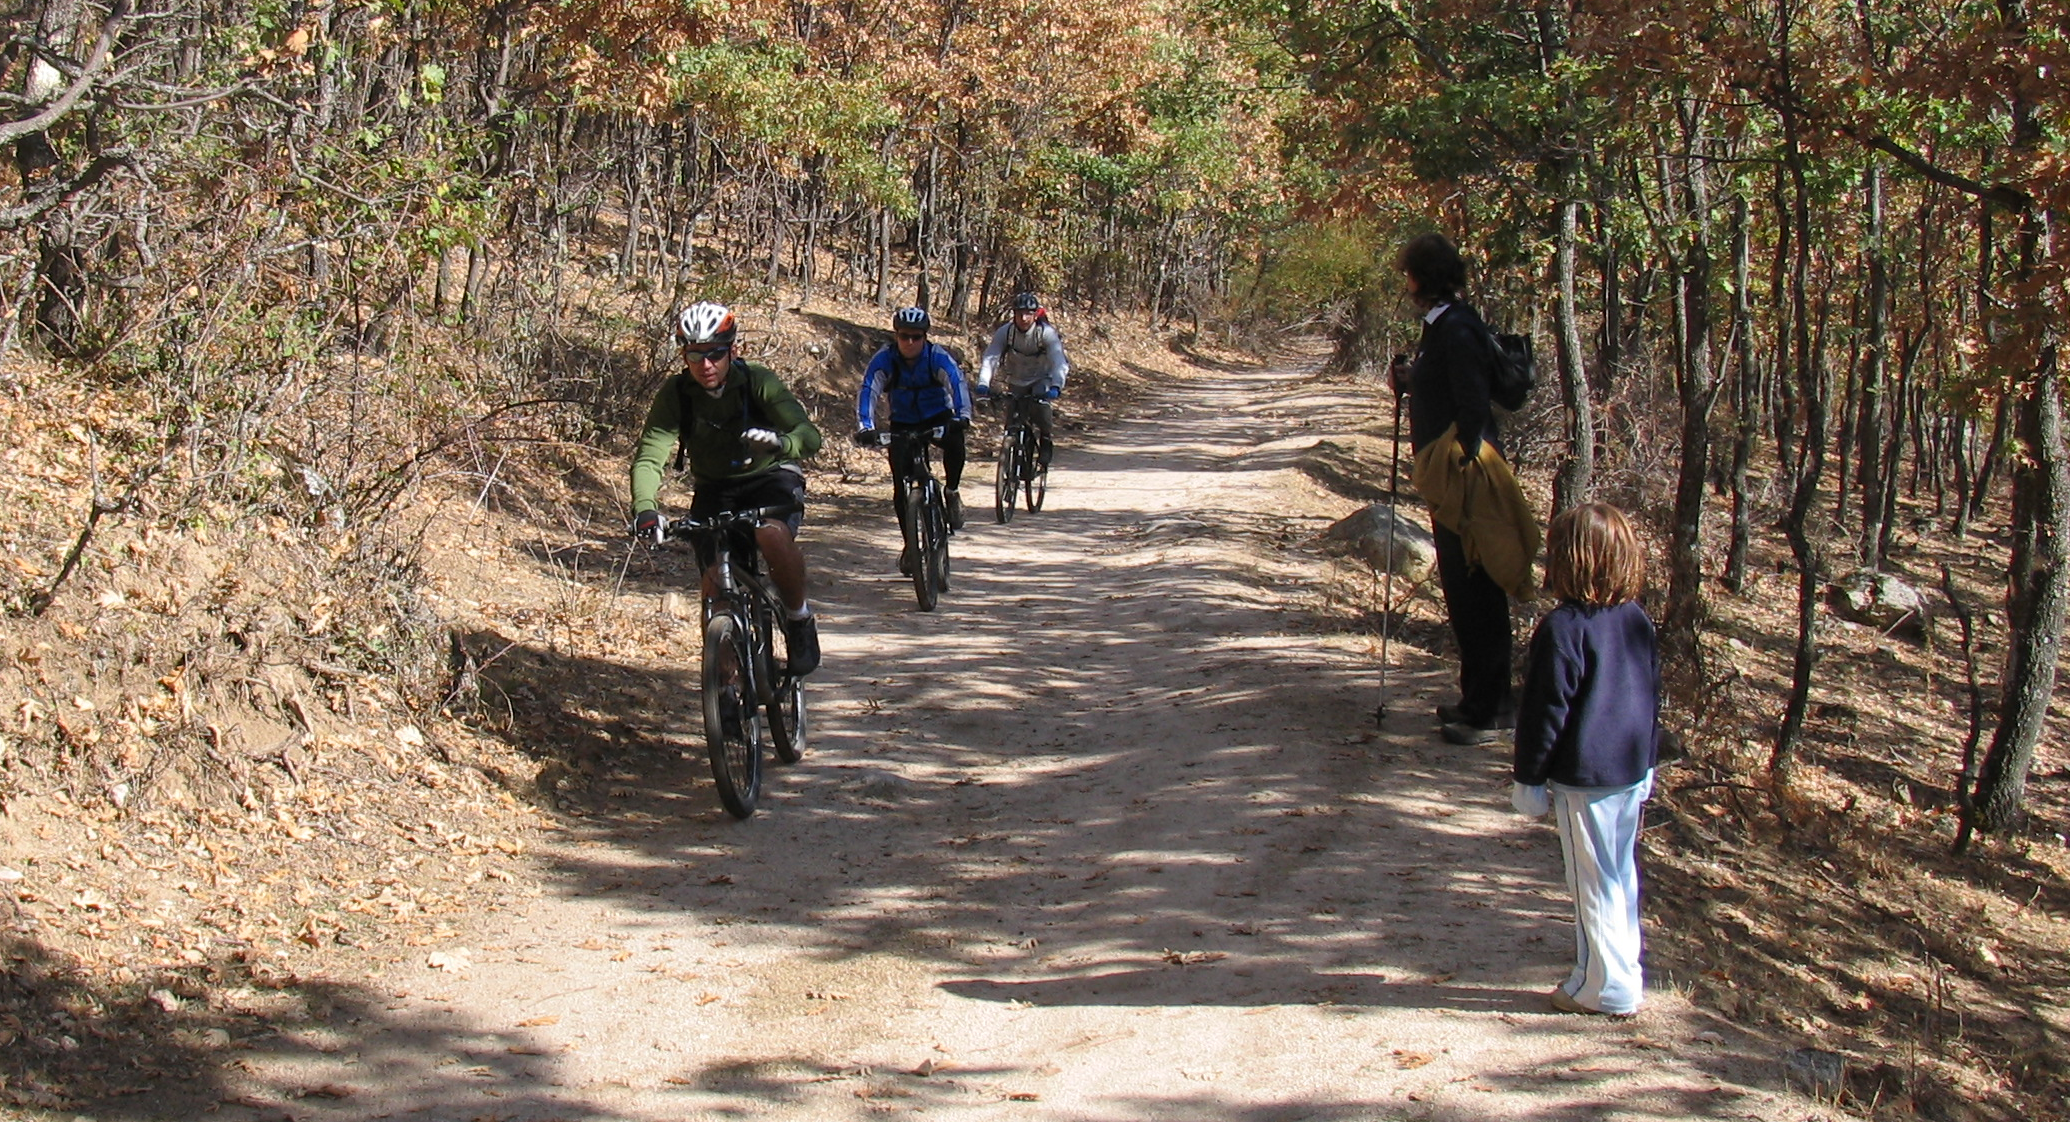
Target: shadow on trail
160 1048
1261 984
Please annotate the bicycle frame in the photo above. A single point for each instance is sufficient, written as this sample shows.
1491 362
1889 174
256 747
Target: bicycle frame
1019 468
740 677
923 517
742 588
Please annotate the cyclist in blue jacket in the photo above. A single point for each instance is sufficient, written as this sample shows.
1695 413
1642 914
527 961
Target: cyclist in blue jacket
913 382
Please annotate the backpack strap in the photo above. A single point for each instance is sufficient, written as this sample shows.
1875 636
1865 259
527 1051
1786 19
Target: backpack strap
751 412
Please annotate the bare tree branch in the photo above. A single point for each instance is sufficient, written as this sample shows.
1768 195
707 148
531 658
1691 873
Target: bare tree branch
118 13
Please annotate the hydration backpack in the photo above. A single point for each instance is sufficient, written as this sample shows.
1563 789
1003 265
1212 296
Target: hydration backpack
1041 321
1511 369
751 414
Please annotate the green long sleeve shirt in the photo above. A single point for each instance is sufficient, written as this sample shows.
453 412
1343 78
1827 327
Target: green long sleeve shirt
753 397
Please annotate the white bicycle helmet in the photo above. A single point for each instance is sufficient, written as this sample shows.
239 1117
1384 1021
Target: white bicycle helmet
704 323
911 319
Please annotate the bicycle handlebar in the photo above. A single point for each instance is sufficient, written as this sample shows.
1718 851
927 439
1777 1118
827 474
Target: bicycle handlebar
882 437
690 528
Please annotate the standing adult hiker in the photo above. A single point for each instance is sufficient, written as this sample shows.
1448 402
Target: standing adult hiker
1486 535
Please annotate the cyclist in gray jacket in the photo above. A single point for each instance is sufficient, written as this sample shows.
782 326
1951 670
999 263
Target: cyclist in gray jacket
1030 354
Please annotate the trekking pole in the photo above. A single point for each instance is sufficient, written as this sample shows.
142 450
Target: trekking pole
1394 514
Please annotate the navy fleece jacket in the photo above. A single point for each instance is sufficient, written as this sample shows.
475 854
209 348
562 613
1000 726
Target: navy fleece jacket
1589 715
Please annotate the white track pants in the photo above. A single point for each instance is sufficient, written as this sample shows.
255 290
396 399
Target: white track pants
1599 836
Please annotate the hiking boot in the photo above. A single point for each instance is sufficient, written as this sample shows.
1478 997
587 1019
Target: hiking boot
1462 732
1563 1002
1456 715
955 509
802 635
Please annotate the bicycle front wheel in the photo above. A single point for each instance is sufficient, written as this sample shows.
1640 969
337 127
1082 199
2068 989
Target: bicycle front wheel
1006 483
732 719
787 719
1038 485
920 547
938 556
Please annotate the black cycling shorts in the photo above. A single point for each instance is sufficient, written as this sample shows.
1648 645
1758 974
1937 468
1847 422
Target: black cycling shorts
774 487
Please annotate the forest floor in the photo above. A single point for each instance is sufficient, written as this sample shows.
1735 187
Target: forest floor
1110 835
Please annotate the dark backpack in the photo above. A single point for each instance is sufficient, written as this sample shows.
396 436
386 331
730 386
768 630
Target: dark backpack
1511 370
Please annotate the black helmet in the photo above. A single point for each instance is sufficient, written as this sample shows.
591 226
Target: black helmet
910 319
1026 302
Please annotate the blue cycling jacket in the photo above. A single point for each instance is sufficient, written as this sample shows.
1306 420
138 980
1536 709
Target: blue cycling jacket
923 390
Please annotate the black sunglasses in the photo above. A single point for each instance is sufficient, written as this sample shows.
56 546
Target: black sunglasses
909 337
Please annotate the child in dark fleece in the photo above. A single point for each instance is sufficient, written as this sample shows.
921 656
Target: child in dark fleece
1587 742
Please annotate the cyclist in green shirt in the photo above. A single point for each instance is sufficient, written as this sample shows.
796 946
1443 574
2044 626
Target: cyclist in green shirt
743 433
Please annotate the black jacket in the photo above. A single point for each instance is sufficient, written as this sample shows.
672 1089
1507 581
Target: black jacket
1590 711
1448 383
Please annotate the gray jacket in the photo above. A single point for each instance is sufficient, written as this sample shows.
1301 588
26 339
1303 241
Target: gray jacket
1029 359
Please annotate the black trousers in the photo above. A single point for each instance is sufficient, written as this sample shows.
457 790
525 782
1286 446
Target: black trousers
1479 610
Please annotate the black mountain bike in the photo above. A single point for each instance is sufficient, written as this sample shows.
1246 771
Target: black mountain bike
926 510
1020 461
746 658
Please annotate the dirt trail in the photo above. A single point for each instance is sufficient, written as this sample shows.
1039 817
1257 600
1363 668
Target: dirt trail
1109 836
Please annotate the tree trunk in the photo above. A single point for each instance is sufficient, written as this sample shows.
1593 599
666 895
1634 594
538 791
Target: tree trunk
1869 436
1746 395
2040 580
2040 570
1577 472
1803 548
1685 609
1607 353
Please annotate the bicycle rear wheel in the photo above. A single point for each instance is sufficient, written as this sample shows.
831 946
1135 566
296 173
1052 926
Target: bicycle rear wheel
938 557
1006 483
732 719
919 532
787 719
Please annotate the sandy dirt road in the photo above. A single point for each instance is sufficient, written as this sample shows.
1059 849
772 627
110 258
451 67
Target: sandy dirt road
1109 836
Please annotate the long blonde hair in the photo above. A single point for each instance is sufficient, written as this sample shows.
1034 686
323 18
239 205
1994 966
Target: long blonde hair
1593 555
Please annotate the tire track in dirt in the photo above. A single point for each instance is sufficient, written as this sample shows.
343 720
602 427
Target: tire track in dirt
1108 836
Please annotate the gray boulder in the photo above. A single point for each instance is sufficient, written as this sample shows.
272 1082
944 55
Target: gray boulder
1367 533
1881 601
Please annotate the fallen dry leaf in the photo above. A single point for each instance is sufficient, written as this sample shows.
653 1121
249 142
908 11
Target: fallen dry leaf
1193 958
1410 1061
540 1022
452 962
